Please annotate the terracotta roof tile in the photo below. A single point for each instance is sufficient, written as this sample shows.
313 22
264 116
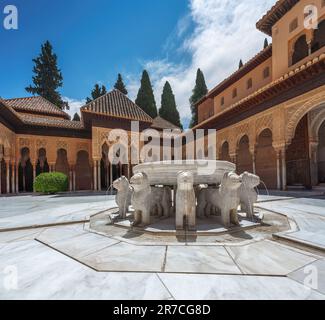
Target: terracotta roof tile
116 104
36 105
161 123
50 122
280 8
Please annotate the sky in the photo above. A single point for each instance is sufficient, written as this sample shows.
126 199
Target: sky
97 39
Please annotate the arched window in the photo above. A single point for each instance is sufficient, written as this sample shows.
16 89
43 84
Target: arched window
319 37
300 49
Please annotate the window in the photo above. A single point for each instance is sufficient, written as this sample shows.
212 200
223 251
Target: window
249 83
300 50
222 101
266 72
234 93
293 25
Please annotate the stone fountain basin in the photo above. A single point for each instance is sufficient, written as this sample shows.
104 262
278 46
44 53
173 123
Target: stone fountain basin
204 171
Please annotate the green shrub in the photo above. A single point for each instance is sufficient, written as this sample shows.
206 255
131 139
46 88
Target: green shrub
51 183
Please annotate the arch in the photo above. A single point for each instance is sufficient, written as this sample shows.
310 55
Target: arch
297 156
225 152
300 49
321 153
25 171
83 171
62 164
42 165
244 157
300 112
266 163
319 37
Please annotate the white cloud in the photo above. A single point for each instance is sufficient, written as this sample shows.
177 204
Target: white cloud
74 105
224 32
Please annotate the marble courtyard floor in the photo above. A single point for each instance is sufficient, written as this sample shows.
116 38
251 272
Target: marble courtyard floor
62 248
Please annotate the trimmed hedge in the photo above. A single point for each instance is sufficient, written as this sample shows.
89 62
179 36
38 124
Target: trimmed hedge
51 183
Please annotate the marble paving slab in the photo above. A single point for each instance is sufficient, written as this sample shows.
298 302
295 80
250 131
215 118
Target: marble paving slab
268 258
36 211
61 233
82 245
127 257
195 259
303 275
44 273
232 287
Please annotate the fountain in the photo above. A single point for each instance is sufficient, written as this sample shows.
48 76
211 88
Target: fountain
190 195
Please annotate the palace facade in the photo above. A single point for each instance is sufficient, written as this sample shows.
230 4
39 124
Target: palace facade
36 137
270 114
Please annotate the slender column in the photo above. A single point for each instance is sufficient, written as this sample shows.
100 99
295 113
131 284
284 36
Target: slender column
95 175
99 177
70 179
111 175
74 178
278 169
284 169
17 178
13 170
8 177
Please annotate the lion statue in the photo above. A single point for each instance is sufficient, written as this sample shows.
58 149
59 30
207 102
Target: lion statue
225 199
123 197
247 193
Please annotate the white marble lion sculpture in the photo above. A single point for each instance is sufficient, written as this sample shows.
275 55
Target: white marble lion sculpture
147 200
123 197
185 201
247 193
225 199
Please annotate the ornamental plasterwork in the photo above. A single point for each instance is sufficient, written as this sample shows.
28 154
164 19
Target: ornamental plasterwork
24 142
41 143
264 122
62 145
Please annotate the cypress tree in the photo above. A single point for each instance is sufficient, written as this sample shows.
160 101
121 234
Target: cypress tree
199 91
76 117
145 98
168 110
96 93
48 77
241 64
266 43
119 85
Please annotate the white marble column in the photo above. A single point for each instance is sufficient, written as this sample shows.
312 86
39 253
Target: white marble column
70 179
74 178
13 171
17 178
278 170
95 175
284 169
8 177
99 176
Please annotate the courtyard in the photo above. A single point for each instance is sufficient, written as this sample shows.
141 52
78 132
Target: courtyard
64 247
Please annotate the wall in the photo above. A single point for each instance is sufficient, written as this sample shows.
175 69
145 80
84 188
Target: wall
282 38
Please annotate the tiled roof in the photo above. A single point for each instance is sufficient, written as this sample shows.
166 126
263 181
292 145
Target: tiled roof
50 122
237 75
36 105
161 123
280 8
116 104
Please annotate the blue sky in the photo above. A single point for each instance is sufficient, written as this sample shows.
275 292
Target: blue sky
97 39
